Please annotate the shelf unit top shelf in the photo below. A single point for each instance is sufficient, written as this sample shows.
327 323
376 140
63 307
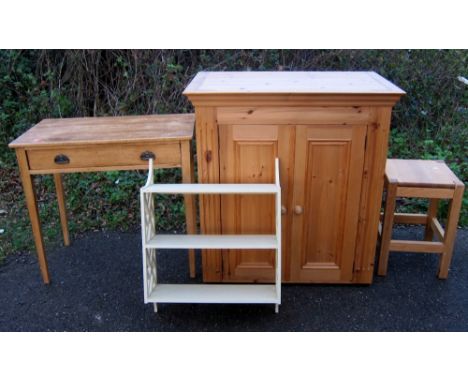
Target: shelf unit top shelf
204 188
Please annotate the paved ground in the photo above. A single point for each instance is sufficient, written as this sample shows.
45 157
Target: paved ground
97 286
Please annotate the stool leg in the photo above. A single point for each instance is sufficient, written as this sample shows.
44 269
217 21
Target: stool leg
431 213
389 212
451 231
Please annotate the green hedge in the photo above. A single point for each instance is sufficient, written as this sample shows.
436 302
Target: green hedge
429 122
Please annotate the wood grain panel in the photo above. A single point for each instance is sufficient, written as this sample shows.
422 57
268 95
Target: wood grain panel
106 130
371 195
293 100
247 155
104 156
293 115
291 82
291 89
420 173
208 172
337 101
328 174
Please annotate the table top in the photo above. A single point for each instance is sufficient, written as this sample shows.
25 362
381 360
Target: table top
420 173
99 130
291 82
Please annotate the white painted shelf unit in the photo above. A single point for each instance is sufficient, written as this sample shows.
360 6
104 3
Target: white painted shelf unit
207 293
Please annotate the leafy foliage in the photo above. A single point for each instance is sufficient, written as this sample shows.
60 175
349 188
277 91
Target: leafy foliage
429 122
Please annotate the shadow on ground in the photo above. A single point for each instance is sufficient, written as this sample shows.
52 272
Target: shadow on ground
97 286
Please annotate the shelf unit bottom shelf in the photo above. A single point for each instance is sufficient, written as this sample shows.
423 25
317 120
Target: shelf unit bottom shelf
214 294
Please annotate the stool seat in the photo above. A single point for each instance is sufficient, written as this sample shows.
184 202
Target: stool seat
428 179
420 173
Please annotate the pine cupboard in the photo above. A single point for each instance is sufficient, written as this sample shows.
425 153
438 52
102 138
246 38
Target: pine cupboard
330 133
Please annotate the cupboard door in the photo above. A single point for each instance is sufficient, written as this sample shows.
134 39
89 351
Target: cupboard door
247 155
327 184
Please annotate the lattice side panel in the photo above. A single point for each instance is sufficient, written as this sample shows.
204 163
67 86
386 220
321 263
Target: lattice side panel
151 270
149 216
148 229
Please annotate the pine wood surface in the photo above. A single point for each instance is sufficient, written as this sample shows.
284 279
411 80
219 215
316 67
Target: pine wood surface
102 144
378 129
421 179
98 130
420 173
291 82
105 155
188 176
247 155
30 196
62 208
290 115
244 120
326 193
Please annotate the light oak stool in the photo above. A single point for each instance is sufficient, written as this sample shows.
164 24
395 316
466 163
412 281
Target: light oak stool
421 179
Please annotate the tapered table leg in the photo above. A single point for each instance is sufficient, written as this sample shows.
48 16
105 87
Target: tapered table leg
62 208
30 196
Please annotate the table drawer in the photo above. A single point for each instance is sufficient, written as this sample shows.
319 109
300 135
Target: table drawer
102 156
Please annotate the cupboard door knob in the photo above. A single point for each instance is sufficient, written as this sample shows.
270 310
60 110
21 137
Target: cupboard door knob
298 210
284 210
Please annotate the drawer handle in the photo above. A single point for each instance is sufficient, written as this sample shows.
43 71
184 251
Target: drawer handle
61 159
147 155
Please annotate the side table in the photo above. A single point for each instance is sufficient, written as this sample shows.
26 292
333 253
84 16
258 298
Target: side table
66 145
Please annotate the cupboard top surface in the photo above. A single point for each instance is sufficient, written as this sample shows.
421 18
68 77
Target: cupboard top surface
291 82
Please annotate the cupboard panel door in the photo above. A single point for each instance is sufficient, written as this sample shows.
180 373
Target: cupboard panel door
327 184
247 155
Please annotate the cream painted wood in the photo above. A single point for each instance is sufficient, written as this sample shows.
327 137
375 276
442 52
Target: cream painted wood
220 294
179 293
213 188
213 241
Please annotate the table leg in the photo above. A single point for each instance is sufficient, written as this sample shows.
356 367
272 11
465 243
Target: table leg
62 208
30 196
189 200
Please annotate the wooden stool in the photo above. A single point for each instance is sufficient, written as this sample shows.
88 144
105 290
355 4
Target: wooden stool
421 179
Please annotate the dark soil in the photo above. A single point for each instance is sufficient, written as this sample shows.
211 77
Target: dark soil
97 286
